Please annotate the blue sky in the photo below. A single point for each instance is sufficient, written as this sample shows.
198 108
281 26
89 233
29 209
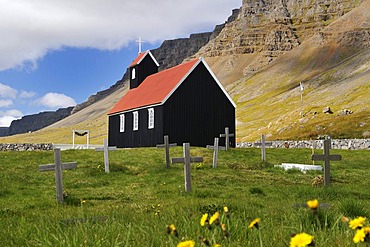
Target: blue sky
56 53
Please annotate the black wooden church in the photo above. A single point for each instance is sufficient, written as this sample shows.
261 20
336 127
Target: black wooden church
186 102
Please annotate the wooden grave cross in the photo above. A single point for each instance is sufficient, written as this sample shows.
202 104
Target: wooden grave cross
186 160
227 136
167 147
326 157
106 149
215 148
58 166
263 145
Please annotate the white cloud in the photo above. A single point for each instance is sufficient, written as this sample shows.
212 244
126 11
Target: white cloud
7 117
27 94
5 121
56 100
7 91
6 102
29 29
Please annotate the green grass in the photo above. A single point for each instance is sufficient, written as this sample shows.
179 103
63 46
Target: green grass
132 205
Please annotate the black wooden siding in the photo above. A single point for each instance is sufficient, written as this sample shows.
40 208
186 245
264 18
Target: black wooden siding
143 137
146 67
198 111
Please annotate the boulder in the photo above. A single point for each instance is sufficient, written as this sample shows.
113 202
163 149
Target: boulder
327 110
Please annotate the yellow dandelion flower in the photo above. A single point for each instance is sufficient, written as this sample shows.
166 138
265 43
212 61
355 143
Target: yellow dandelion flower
226 209
357 223
204 219
214 218
254 223
173 227
217 245
359 236
313 204
301 240
188 243
362 235
174 230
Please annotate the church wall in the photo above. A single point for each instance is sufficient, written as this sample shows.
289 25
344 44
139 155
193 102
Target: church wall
198 111
143 137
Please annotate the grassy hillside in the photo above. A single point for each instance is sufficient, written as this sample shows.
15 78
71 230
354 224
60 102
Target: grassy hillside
132 205
269 102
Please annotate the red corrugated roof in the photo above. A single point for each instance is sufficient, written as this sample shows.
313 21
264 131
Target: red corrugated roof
154 89
138 59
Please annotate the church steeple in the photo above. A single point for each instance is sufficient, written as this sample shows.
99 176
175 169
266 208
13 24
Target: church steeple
142 67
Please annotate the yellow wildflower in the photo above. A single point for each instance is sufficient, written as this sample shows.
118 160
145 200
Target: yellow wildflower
226 209
361 235
301 240
204 219
174 230
214 218
313 204
188 243
217 245
357 223
254 223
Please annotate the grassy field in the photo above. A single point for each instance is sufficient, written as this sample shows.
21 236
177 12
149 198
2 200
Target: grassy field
133 204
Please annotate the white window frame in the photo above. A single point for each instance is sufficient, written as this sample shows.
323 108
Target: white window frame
133 73
151 118
135 120
122 123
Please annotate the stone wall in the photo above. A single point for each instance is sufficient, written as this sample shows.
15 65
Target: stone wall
352 144
26 147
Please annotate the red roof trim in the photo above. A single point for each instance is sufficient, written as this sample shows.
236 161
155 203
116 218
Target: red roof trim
140 58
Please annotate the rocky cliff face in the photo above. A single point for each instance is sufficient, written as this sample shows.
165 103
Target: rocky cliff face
37 121
4 131
272 27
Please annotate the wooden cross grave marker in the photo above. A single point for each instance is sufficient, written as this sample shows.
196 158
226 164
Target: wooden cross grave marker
326 157
215 147
167 147
227 136
263 145
106 149
58 166
186 160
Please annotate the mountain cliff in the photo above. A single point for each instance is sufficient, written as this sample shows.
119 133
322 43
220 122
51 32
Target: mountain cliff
261 54
35 122
274 45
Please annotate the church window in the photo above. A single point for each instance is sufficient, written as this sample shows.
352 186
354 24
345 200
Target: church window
151 118
122 123
133 73
135 120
